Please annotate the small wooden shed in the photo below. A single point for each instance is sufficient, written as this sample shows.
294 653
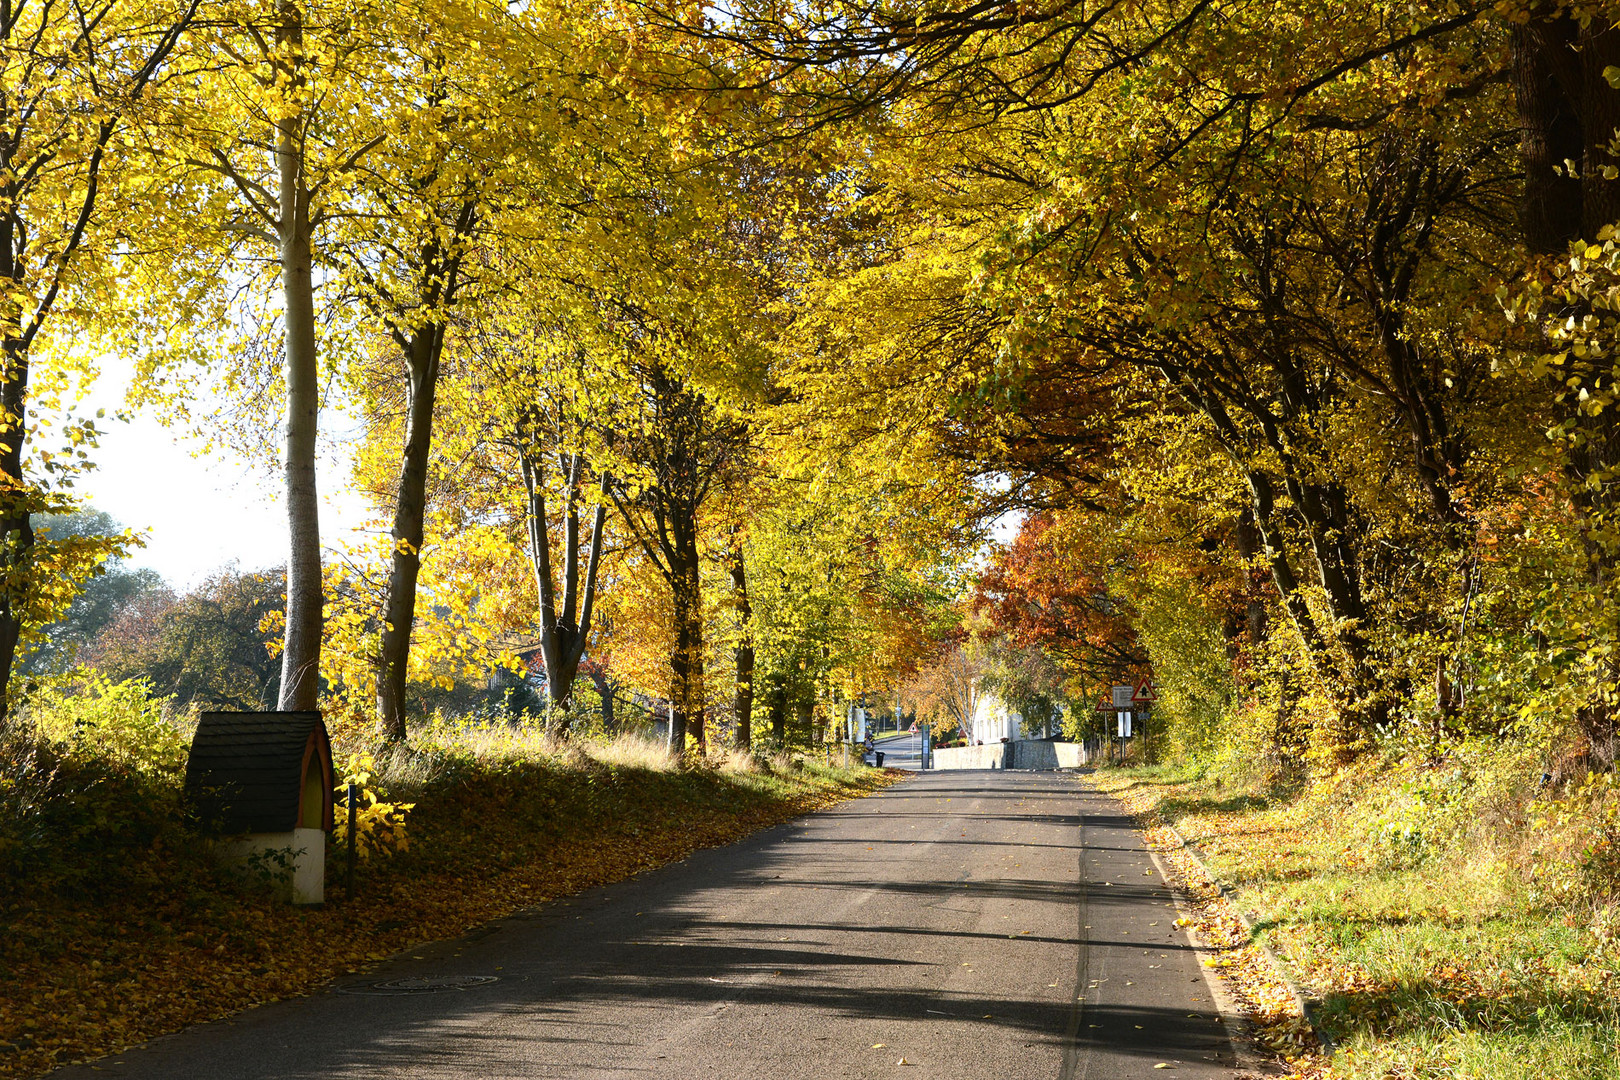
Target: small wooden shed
263 782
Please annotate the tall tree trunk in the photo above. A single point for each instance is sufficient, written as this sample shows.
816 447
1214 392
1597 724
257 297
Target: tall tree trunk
565 631
1545 77
685 447
1568 111
686 661
1247 538
301 644
1600 194
778 700
743 700
604 690
439 271
410 509
16 530
804 714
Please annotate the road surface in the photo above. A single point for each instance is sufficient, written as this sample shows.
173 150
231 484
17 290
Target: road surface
974 924
901 751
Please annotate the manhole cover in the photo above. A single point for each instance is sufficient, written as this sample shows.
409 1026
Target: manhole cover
421 986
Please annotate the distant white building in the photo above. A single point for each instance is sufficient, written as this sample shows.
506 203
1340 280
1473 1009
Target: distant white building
994 721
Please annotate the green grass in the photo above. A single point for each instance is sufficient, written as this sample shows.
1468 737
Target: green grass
1414 902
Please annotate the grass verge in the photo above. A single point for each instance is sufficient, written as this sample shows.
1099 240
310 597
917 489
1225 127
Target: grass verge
137 932
1408 898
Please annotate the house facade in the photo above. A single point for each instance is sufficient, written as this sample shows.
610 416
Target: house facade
993 721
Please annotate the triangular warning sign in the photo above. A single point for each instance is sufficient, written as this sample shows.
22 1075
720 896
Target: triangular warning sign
1145 692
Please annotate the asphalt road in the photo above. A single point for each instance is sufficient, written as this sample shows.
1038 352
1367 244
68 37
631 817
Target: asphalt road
976 924
901 751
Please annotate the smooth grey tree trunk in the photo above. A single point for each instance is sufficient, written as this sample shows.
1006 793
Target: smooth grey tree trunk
604 690
565 631
301 643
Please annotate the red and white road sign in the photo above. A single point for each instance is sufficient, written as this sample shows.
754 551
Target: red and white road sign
1145 693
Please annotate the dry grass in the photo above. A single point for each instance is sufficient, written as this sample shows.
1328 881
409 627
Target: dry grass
634 752
448 744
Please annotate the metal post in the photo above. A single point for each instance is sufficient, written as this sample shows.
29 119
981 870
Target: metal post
353 801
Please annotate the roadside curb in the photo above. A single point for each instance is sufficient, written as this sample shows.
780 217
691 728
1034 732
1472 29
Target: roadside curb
1308 1007
1240 1030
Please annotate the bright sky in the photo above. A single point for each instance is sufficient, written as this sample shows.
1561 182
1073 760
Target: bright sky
199 514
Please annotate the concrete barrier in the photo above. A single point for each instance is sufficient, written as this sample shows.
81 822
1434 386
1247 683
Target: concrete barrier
1026 754
1042 754
969 757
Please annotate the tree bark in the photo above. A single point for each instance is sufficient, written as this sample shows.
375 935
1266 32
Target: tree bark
1600 195
422 349
686 660
604 690
778 700
743 700
1568 112
564 633
301 643
1545 75
410 509
16 530
804 710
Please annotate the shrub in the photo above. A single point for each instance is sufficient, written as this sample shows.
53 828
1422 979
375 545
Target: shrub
379 827
119 722
90 791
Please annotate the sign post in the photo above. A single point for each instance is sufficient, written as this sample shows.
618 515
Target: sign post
1143 698
1122 696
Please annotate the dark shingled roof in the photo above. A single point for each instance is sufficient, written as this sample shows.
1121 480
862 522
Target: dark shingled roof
246 770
